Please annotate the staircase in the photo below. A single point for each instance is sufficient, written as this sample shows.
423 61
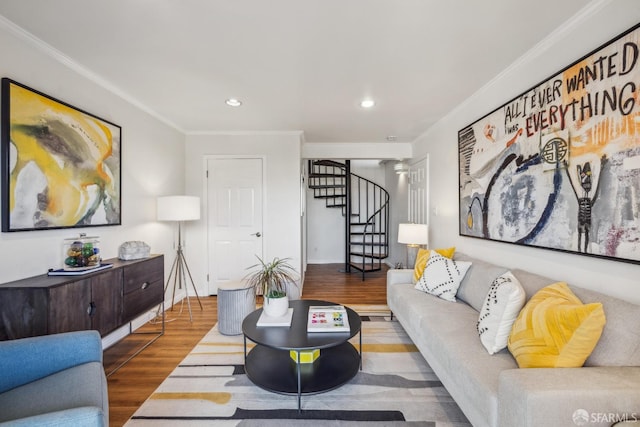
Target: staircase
365 206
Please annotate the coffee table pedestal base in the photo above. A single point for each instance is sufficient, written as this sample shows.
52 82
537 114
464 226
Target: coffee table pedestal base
275 371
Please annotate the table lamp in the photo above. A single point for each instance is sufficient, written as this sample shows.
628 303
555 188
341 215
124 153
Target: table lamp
179 209
413 235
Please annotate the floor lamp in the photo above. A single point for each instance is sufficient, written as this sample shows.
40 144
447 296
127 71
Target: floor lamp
179 209
413 235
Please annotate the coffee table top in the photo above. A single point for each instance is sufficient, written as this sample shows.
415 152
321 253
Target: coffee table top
296 336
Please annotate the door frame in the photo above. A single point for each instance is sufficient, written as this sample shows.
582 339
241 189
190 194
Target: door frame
413 166
205 198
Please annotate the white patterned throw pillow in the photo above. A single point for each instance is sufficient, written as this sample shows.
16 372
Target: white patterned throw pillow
442 276
501 306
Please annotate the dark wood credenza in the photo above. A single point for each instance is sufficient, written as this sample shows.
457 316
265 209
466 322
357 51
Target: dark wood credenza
103 300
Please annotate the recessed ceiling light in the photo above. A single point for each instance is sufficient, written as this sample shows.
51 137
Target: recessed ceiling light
392 138
367 103
401 167
232 102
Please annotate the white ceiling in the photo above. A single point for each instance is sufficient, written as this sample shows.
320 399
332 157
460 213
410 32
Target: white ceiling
295 64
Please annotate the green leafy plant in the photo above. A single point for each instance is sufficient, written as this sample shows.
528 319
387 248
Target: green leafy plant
271 278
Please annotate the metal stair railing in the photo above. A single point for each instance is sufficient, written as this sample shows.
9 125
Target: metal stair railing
365 206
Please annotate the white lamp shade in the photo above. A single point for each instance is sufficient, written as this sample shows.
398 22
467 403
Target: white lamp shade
413 234
178 208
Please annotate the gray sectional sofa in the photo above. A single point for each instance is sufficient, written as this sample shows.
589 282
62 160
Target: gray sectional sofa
490 389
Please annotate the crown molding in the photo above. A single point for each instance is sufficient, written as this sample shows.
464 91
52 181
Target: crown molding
244 132
74 66
542 46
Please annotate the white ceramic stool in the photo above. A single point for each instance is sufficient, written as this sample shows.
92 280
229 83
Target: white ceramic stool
235 301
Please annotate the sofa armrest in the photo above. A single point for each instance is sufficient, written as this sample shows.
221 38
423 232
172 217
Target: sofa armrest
554 396
25 360
396 276
84 416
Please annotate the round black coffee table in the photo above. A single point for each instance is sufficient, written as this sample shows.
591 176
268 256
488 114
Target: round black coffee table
269 365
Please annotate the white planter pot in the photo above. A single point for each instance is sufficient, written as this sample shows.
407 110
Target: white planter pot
276 307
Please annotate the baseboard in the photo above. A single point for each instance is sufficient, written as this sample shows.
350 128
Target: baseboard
325 261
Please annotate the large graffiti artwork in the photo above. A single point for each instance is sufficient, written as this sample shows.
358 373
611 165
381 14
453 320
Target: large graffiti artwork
559 166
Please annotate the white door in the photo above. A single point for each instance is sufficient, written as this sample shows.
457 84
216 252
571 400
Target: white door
234 218
418 192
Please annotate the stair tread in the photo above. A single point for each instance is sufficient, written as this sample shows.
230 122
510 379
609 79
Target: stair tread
328 163
369 243
368 233
326 175
321 186
375 256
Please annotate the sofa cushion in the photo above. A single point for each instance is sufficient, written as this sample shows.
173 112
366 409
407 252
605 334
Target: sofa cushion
555 329
423 257
442 276
410 306
451 346
84 416
444 334
80 386
22 360
531 282
476 282
501 308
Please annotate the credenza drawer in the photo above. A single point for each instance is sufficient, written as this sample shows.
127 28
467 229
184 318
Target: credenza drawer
145 297
136 275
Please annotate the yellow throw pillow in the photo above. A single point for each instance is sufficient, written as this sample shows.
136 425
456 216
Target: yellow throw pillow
555 330
423 257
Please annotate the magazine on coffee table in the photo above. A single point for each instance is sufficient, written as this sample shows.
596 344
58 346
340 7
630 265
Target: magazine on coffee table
327 318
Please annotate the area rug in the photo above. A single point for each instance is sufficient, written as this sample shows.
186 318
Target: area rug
396 387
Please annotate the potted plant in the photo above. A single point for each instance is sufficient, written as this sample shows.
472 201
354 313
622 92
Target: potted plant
271 279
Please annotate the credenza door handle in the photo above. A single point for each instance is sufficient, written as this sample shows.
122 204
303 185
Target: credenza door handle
145 285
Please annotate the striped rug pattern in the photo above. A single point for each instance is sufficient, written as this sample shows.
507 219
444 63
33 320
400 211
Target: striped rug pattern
395 388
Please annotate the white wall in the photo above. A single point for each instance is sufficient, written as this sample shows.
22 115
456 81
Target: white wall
152 162
357 150
573 40
397 186
325 232
282 230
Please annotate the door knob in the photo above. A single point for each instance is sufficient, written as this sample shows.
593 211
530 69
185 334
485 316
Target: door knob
257 234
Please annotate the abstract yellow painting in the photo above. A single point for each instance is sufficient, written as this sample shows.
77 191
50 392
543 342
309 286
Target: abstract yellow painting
61 165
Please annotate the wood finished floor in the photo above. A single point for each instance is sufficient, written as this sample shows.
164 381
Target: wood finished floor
132 384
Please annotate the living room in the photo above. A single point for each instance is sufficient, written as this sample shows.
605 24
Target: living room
162 158
167 152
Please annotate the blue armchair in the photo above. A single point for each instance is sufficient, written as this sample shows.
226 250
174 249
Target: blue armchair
53 380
